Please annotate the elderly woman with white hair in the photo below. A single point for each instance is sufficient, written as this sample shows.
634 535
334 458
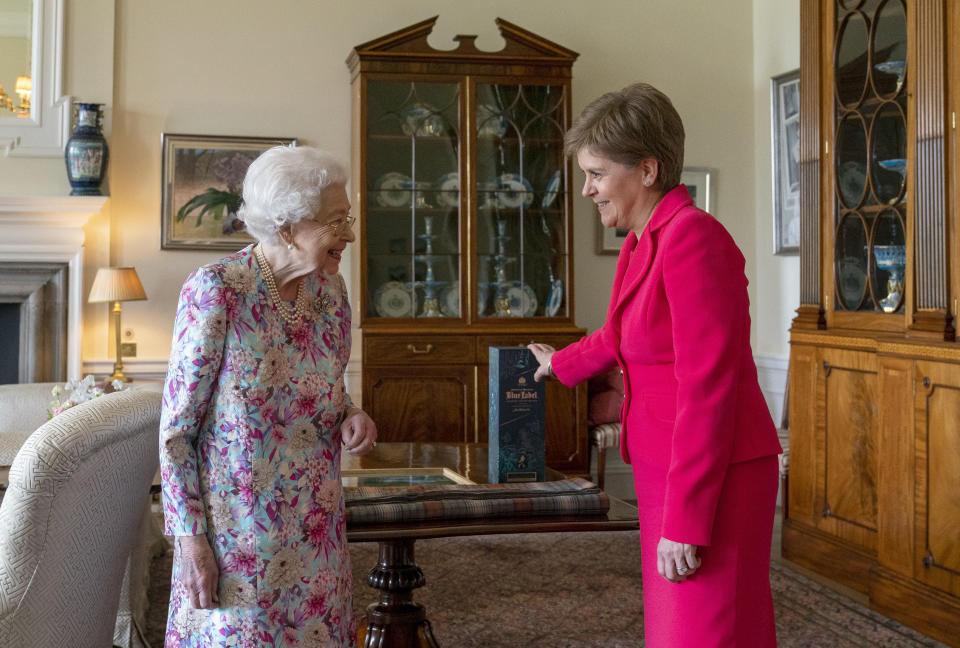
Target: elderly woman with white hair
254 416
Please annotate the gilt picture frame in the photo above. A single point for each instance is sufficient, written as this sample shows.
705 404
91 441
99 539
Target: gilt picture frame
785 149
700 183
201 188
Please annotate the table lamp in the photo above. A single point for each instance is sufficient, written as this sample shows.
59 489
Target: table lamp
23 86
117 285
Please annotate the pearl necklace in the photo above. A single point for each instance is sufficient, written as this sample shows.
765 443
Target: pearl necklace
290 314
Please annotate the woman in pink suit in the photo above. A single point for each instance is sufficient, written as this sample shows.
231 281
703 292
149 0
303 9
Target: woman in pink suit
695 425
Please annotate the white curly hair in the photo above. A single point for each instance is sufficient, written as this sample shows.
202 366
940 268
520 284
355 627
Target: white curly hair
285 185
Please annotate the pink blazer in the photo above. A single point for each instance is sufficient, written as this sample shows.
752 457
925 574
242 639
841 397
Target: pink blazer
678 325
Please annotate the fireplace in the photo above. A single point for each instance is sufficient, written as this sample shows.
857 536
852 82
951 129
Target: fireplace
33 341
41 285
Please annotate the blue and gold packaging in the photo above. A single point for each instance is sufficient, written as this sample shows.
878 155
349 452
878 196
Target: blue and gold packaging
517 419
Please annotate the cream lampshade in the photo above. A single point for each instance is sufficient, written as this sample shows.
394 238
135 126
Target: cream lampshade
23 86
117 285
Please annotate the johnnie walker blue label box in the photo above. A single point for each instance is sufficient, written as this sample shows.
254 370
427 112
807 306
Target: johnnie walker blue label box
517 417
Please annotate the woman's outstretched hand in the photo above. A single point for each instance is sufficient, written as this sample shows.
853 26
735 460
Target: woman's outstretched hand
358 432
543 353
199 571
676 561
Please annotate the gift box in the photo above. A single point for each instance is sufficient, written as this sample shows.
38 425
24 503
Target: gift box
517 420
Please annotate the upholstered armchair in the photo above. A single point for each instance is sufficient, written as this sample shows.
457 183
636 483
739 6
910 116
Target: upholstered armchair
74 510
605 396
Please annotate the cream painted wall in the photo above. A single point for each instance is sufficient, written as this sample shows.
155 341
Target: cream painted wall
677 47
776 45
246 67
87 76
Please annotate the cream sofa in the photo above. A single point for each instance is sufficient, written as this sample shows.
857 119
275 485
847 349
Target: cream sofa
76 531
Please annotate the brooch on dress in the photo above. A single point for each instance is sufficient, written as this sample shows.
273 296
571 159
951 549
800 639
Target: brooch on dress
323 304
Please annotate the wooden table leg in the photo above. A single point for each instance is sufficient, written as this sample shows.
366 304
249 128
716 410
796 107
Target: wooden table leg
396 621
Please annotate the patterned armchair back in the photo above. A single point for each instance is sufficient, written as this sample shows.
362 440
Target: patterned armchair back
77 493
23 408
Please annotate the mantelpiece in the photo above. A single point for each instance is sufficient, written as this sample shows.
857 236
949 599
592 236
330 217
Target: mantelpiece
49 230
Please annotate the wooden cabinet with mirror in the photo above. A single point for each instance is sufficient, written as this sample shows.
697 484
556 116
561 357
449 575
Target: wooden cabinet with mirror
874 362
465 218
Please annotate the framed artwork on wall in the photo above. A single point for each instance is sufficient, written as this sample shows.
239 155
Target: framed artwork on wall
201 189
699 181
785 126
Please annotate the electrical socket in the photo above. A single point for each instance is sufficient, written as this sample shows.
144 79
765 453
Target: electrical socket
128 349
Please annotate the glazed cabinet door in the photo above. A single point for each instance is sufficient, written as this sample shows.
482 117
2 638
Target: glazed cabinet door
522 261
426 403
869 111
937 448
412 216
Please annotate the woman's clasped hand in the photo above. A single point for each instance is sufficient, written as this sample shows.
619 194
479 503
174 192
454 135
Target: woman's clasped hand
359 432
676 561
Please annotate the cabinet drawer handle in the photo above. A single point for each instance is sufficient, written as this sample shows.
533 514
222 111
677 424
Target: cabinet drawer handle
423 351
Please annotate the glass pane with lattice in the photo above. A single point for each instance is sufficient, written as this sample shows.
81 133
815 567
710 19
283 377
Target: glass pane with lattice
413 199
889 260
851 255
521 200
871 167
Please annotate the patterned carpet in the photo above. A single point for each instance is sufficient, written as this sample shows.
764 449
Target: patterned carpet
577 591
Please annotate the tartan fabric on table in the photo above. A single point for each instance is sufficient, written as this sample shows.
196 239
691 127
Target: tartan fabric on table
370 505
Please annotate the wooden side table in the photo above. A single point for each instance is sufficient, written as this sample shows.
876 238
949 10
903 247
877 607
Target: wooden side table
397 620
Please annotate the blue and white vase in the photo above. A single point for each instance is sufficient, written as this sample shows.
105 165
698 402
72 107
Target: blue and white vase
87 154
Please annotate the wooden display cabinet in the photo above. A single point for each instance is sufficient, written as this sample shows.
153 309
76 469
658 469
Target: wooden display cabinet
461 185
874 364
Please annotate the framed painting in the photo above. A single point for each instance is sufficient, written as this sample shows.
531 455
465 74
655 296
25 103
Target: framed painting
699 182
785 127
201 189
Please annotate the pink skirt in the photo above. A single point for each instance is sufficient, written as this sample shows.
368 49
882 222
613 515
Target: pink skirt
728 601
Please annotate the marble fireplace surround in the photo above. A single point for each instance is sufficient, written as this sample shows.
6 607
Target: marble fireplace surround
40 237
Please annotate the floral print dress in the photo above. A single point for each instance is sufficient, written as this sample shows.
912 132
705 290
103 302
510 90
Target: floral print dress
250 456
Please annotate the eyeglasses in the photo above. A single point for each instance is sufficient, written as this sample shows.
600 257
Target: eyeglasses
340 225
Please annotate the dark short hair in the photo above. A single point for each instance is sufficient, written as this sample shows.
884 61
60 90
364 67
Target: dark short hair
631 125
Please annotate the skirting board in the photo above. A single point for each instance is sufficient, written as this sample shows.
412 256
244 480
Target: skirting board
146 369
